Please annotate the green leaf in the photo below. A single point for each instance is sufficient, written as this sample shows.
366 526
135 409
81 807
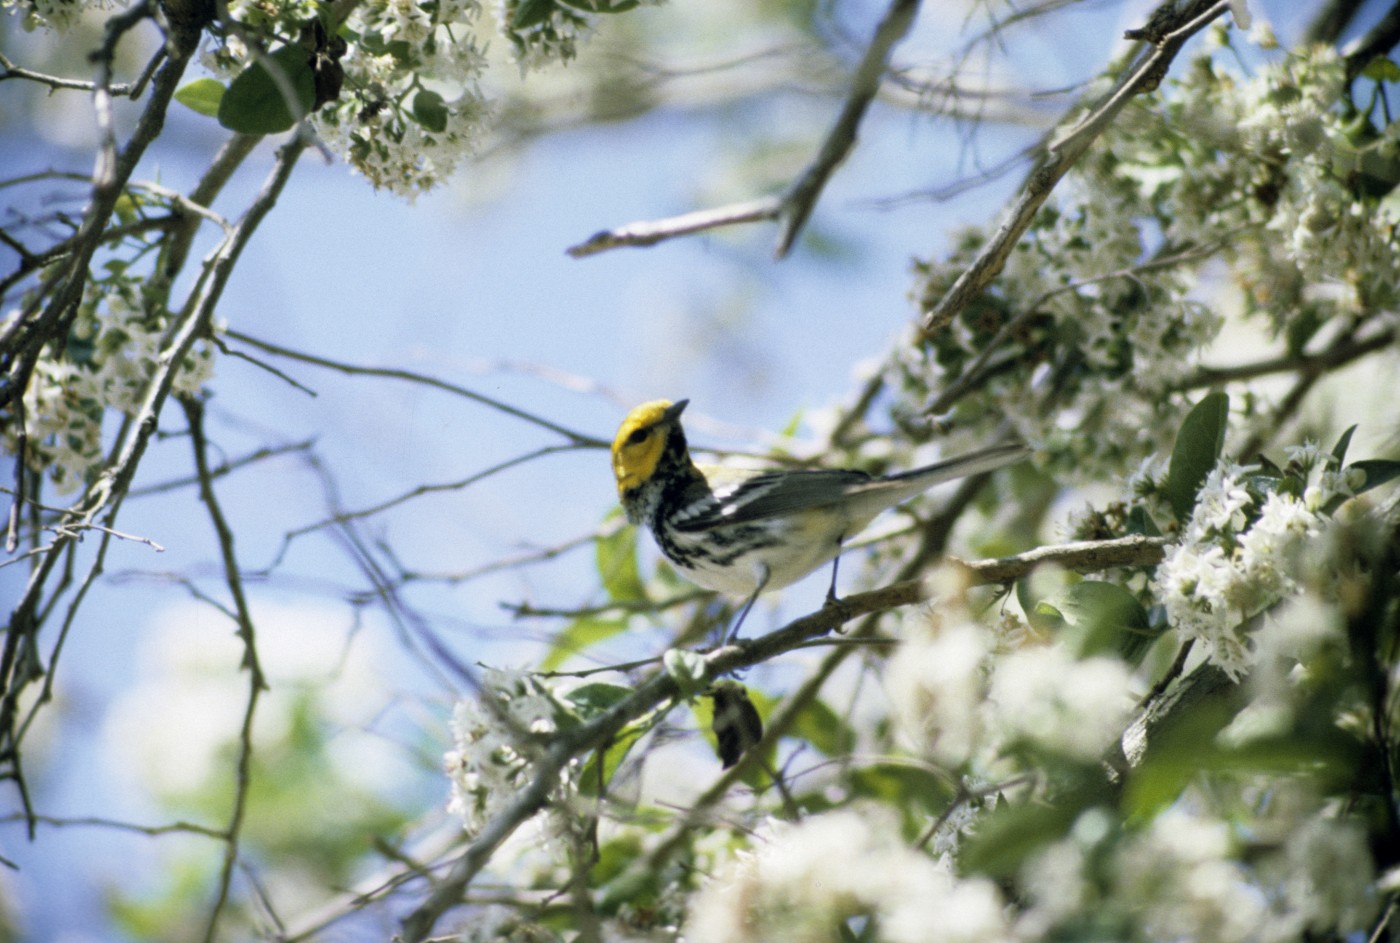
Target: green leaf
687 669
1339 451
580 635
590 700
1011 833
1104 617
1198 448
904 786
820 726
254 104
430 110
1036 594
1381 69
616 556
530 13
202 95
1378 472
609 759
1140 522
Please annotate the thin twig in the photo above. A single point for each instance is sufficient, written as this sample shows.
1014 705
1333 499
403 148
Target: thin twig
257 682
802 195
1344 350
92 821
577 438
8 70
222 469
653 692
792 209
420 490
1061 155
649 233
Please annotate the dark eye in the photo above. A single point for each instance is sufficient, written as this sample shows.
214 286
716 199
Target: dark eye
639 435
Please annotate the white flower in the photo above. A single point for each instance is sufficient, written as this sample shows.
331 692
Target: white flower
802 882
1325 884
1222 500
1183 876
936 683
1226 570
1074 707
495 736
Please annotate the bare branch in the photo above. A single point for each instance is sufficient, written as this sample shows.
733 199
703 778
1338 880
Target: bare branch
578 439
8 70
650 233
795 205
660 688
1346 349
257 683
798 201
420 490
1062 154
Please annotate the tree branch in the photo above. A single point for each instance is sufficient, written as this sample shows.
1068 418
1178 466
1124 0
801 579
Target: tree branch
1143 75
257 683
799 199
579 439
660 687
792 209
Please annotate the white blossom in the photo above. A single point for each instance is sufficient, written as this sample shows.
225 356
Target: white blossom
495 737
1183 875
1240 554
1075 707
802 881
936 682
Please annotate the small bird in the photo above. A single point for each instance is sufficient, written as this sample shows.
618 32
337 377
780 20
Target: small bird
740 531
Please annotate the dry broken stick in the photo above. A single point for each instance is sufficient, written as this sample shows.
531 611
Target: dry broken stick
792 209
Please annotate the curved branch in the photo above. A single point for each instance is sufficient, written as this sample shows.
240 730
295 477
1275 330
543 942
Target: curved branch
799 199
579 439
660 687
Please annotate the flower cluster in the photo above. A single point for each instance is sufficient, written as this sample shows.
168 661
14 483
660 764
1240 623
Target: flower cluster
57 15
1185 876
410 109
1243 550
115 351
540 33
800 883
496 736
1097 318
956 698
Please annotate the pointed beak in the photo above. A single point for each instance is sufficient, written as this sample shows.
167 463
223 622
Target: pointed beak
673 412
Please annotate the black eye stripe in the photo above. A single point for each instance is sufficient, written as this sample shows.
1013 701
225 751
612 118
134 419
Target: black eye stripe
639 435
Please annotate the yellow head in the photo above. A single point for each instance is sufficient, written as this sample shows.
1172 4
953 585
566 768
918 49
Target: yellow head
641 441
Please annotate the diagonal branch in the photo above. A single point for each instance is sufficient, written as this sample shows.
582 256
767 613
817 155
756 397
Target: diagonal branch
577 439
660 688
1169 30
802 195
792 209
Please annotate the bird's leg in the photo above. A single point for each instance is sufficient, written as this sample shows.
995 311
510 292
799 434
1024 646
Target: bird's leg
748 604
831 596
